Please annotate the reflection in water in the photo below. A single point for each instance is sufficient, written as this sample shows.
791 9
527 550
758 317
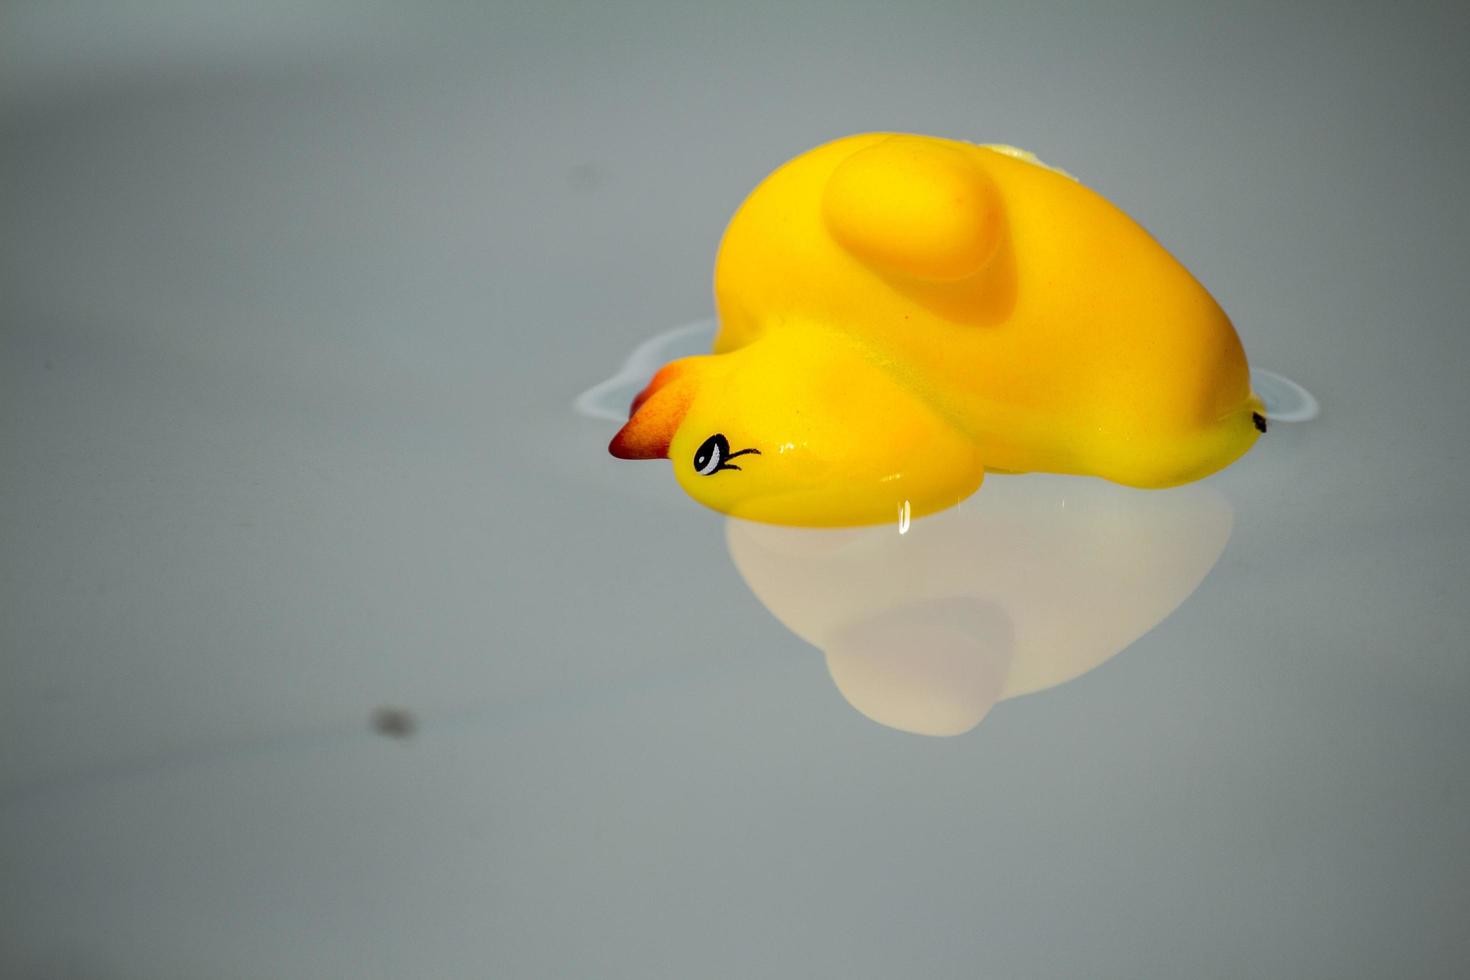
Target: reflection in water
1032 582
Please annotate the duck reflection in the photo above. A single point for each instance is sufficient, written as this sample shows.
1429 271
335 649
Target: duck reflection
1030 583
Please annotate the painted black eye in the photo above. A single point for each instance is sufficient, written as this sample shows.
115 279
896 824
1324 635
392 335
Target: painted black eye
711 453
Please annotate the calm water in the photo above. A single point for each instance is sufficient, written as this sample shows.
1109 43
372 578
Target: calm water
333 644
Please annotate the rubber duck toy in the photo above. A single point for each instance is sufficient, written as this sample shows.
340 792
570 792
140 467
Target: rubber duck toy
899 314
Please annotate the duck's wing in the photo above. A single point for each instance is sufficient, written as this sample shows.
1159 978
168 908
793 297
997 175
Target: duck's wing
916 207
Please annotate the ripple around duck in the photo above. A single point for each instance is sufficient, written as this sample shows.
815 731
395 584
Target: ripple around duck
610 399
1286 401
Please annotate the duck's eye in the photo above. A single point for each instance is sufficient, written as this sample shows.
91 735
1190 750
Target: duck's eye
711 453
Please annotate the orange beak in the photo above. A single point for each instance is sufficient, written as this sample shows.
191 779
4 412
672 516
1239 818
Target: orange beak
655 415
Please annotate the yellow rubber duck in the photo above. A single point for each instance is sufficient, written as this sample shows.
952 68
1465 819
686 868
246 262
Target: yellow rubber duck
900 314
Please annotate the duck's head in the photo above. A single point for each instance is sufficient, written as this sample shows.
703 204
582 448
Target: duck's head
773 433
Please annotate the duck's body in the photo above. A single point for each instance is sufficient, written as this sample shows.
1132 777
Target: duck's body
929 296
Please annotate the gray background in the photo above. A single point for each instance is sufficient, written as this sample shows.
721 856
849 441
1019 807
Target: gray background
293 304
